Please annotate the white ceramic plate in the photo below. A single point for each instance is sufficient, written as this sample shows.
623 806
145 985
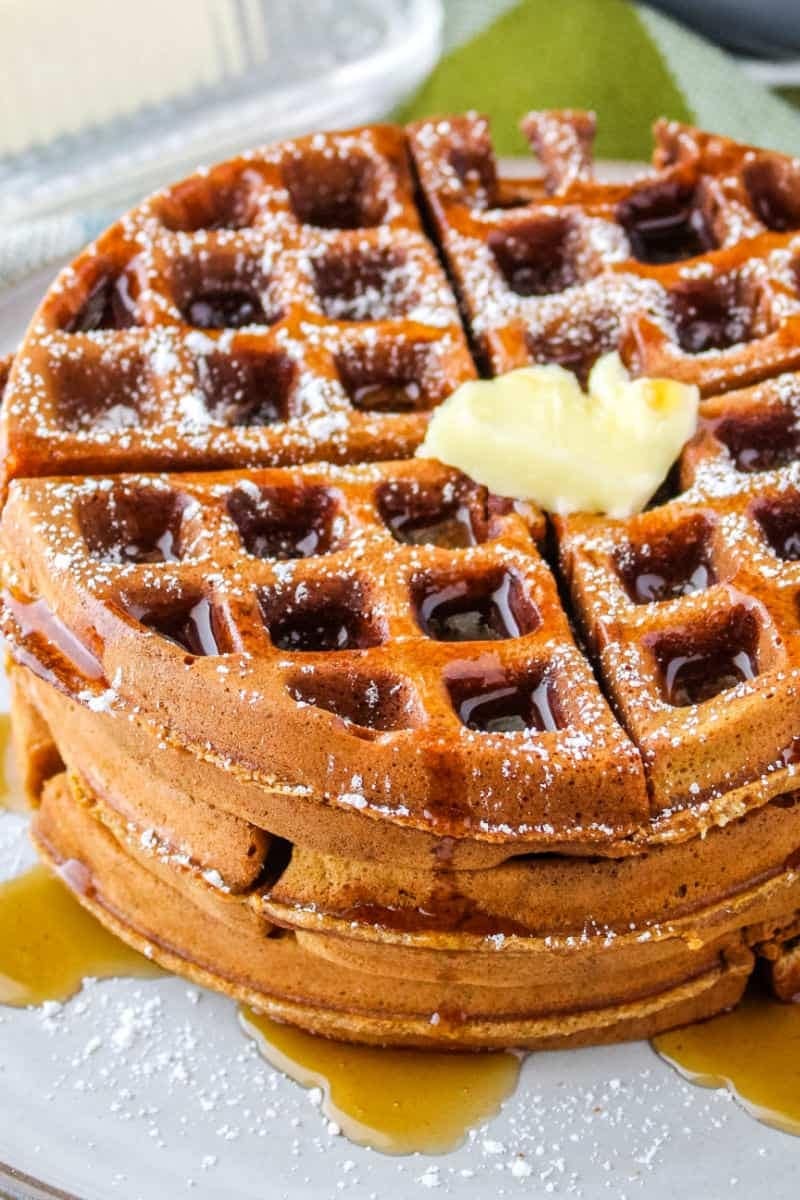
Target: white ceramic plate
149 1090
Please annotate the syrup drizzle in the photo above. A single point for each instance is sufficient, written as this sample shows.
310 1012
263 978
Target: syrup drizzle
753 1051
193 628
651 586
487 610
389 397
224 310
452 529
35 617
396 1101
512 709
694 678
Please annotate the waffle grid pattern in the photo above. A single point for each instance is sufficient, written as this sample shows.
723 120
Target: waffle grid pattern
691 271
692 607
233 320
363 745
293 293
402 603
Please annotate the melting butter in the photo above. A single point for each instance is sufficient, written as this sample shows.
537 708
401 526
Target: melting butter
536 435
396 1101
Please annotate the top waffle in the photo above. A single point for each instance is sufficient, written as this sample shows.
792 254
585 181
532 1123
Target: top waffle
287 306
282 307
382 638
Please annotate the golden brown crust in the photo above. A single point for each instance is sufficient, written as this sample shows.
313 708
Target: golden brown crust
320 671
511 948
186 925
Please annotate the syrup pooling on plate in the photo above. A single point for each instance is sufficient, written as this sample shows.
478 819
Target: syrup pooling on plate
754 1051
396 1101
49 944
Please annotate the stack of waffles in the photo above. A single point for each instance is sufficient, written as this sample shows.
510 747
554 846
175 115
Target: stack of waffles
329 727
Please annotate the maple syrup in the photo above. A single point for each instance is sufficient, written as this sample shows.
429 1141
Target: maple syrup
322 620
664 223
246 389
698 665
650 587
454 531
420 518
393 1100
780 524
667 568
223 309
36 618
285 523
109 305
712 314
393 396
396 1101
370 701
133 525
754 1051
536 256
695 678
49 944
763 443
193 627
475 611
504 703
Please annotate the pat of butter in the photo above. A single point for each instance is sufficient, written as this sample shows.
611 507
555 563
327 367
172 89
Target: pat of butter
536 435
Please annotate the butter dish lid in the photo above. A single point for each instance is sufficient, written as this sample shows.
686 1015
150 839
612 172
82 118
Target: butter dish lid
98 108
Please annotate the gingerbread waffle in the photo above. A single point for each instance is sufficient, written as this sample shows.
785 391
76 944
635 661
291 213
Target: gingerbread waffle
450 773
280 308
691 271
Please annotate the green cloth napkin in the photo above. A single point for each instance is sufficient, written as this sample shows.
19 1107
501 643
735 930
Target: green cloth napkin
628 62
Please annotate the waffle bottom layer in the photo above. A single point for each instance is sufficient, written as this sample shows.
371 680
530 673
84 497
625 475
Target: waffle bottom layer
214 946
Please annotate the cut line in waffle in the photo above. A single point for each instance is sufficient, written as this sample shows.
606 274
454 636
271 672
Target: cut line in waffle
693 608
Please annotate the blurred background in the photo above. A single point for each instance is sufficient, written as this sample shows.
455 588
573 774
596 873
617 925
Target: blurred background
102 102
